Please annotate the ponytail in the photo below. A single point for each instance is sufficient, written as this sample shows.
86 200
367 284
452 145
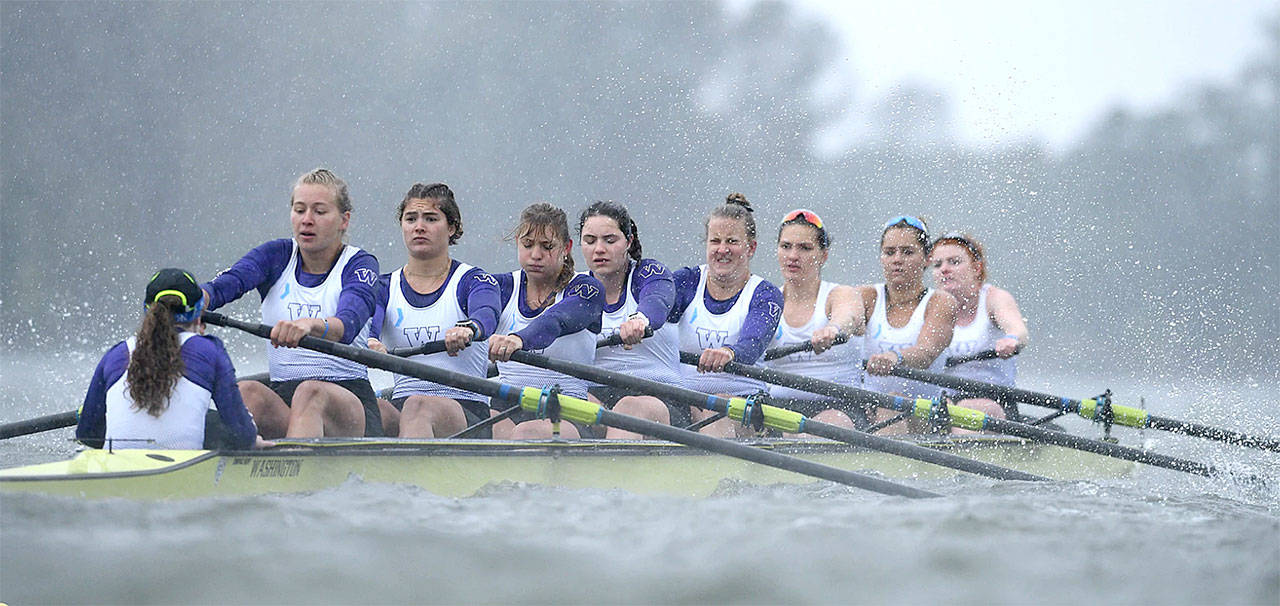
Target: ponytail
156 363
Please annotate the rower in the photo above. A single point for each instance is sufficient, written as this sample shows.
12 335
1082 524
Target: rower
725 312
987 318
638 295
907 323
815 310
546 308
154 389
312 284
434 297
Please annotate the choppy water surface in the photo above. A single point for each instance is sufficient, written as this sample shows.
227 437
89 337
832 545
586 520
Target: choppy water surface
1155 537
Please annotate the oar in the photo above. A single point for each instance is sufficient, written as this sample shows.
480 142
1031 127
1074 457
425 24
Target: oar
988 354
772 416
615 339
1091 409
965 418
38 424
786 350
55 421
432 347
582 411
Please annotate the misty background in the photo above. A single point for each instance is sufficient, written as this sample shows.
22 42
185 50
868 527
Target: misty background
141 135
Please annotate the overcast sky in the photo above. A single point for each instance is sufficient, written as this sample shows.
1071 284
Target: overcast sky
1047 68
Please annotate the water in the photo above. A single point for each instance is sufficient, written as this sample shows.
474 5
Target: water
1155 537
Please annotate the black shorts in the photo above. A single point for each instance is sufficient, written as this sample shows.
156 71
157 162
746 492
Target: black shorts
609 396
808 408
474 411
359 387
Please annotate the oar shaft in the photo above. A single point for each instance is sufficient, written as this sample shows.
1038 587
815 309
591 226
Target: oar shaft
584 410
963 417
38 424
783 351
1127 416
672 393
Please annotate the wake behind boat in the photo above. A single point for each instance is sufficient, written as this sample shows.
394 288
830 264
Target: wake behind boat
459 468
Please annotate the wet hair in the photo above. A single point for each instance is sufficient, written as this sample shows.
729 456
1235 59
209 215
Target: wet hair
156 362
977 253
824 240
322 176
443 197
735 207
922 236
619 214
545 218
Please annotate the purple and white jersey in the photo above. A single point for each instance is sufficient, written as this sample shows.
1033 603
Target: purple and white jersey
840 364
208 377
564 330
980 335
406 318
882 337
745 323
649 289
288 293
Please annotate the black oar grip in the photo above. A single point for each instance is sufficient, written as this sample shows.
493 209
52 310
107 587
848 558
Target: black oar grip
615 339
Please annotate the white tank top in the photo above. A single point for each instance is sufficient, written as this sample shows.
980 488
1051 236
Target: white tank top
700 329
840 364
882 337
179 427
980 335
578 347
288 300
655 358
408 326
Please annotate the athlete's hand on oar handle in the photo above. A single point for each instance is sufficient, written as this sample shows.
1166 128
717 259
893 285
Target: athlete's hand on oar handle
459 336
884 362
714 360
827 336
287 333
633 330
502 346
376 345
1007 346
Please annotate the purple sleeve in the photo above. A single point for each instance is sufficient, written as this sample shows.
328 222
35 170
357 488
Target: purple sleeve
580 309
686 286
259 268
91 427
356 303
381 296
655 291
506 287
479 299
763 315
209 366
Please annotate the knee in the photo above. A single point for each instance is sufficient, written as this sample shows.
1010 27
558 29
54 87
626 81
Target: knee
645 407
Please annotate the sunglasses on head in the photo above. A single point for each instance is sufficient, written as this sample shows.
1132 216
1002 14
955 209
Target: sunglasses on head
805 215
909 220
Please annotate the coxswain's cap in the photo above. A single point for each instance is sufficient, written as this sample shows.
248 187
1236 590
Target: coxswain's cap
179 283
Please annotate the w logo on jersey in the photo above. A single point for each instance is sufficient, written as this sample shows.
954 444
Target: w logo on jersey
774 309
366 276
486 278
417 335
298 311
652 269
583 291
711 339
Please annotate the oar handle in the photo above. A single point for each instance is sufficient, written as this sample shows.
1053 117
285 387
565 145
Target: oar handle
987 354
615 339
786 350
430 347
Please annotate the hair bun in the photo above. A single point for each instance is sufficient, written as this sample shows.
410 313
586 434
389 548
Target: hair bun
739 200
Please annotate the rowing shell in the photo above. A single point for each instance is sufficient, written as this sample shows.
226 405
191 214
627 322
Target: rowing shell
459 468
